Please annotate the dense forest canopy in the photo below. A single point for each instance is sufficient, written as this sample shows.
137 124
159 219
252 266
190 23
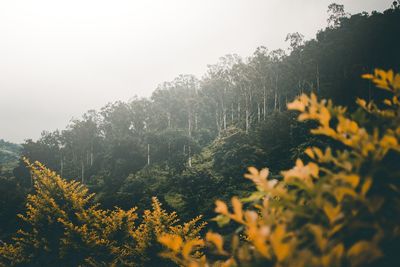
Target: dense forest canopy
190 143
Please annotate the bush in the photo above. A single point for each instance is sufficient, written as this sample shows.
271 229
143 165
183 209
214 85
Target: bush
63 226
339 207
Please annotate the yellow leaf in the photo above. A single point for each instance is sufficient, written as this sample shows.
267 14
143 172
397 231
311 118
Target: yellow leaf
367 76
296 105
366 186
221 207
363 252
325 116
173 242
309 152
319 236
334 256
340 192
361 102
335 229
229 263
264 173
314 169
251 217
352 179
281 249
261 246
318 152
396 82
237 209
253 171
388 141
331 212
390 76
189 246
217 240
387 102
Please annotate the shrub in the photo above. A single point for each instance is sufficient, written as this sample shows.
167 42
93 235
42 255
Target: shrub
338 207
63 226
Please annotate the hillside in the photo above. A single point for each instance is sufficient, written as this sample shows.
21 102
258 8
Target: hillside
9 153
194 130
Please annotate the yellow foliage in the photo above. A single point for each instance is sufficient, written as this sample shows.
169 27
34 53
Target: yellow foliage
65 227
280 247
337 208
217 240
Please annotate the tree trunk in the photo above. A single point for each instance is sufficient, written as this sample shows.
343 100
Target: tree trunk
217 122
62 166
189 125
238 114
247 121
195 121
247 115
224 118
148 154
265 103
82 171
223 111
279 103
91 155
276 93
190 157
232 114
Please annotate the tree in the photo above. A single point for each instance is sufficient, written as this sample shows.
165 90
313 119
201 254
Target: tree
295 40
336 13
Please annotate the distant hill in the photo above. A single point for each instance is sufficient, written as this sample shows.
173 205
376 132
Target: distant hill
9 153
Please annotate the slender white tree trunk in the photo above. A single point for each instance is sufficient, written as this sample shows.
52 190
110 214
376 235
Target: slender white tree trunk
232 114
265 103
148 154
82 171
62 166
190 157
238 114
247 115
91 155
189 125
224 118
217 122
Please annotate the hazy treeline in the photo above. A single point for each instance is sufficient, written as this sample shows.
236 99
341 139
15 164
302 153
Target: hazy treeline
9 153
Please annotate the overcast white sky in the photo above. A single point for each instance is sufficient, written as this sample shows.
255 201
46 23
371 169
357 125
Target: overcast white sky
60 58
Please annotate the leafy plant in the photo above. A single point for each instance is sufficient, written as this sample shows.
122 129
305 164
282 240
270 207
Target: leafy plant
340 207
64 226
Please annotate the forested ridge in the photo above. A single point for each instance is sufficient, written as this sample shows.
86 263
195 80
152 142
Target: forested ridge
191 142
9 152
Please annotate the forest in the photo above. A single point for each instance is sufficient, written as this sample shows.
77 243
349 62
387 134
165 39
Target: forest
182 153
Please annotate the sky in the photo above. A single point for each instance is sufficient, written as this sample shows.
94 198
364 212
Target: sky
59 59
